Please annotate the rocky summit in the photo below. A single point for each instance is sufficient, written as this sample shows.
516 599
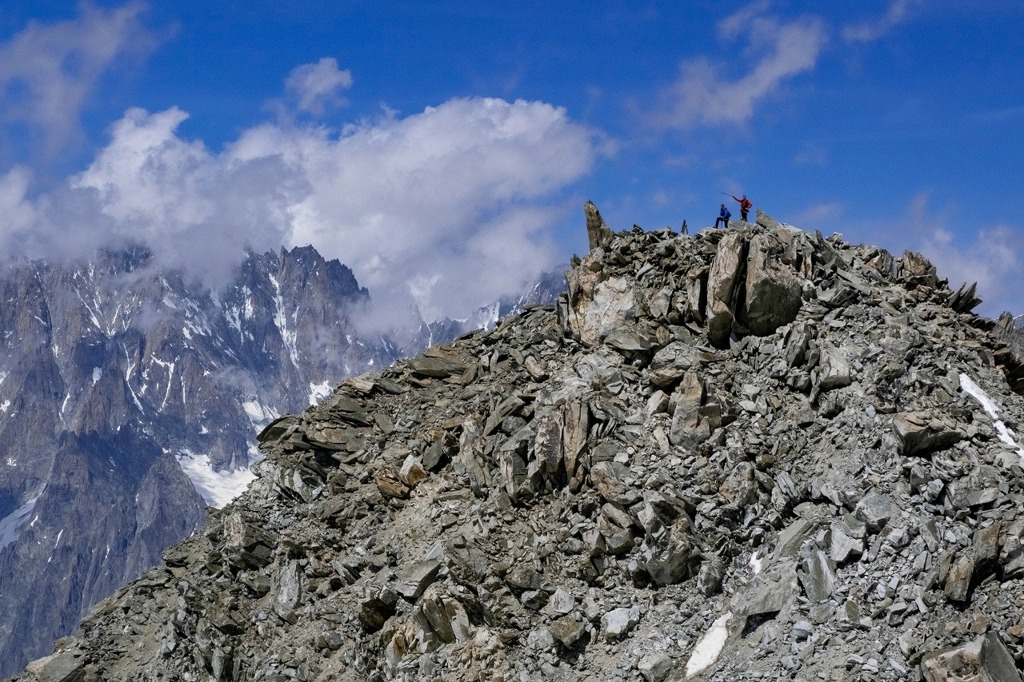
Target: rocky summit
755 454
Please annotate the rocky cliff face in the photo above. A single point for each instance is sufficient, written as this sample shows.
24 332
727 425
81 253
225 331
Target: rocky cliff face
130 400
751 454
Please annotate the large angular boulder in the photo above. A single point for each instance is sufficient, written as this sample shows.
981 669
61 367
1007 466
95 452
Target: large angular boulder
769 592
772 289
599 306
669 558
923 432
64 666
984 659
246 545
726 269
671 362
917 270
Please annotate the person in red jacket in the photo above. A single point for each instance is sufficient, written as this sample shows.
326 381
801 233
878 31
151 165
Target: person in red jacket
744 206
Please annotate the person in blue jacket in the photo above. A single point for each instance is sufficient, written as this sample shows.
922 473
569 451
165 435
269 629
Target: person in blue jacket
723 217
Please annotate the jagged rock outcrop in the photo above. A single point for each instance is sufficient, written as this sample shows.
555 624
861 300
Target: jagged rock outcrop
121 385
651 480
1011 356
598 232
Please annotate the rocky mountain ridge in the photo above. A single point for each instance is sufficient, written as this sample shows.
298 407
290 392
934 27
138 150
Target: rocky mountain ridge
751 454
130 400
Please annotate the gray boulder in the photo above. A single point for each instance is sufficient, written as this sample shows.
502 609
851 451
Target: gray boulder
773 292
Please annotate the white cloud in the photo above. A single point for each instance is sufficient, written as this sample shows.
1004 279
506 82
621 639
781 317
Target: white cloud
868 31
736 23
147 173
47 71
426 193
196 210
815 215
704 94
317 86
989 256
19 213
447 209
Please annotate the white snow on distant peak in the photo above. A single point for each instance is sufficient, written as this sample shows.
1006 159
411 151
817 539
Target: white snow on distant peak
5 405
217 488
288 336
232 317
169 366
12 524
249 311
259 414
318 392
710 646
1005 434
491 317
97 372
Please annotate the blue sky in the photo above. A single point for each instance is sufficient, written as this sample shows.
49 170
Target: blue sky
444 150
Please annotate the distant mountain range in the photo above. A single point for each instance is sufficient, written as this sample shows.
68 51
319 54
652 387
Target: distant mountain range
130 400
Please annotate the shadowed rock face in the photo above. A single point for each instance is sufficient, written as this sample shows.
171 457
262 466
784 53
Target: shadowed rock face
725 274
773 292
113 371
598 232
1011 331
620 486
109 372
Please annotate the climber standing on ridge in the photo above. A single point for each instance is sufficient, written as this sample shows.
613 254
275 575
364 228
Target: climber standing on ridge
723 217
744 206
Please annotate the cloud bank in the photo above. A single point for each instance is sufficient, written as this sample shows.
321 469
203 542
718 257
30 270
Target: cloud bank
443 210
446 209
450 204
988 256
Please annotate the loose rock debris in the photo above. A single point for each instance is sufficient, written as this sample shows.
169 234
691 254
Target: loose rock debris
740 455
